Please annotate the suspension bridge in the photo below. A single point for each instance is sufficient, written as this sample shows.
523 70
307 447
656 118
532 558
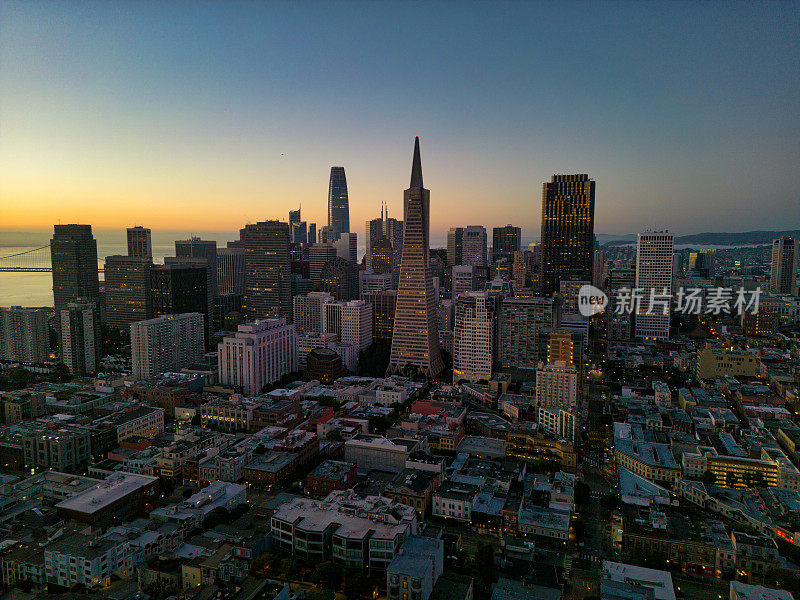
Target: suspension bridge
33 260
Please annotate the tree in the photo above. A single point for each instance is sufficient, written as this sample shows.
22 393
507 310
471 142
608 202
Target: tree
328 575
356 584
709 478
290 568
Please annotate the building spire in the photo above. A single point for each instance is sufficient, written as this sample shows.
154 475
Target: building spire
416 167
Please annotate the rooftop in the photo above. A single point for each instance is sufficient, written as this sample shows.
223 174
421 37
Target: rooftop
114 488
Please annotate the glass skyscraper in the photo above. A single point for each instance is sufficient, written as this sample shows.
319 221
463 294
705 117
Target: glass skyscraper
338 205
567 248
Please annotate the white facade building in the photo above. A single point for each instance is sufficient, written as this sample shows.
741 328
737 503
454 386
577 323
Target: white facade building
473 337
356 328
307 315
166 344
260 353
654 250
556 385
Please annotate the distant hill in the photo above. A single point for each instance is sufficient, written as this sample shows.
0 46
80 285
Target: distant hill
744 238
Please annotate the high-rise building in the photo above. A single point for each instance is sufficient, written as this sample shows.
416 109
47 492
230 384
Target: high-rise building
81 340
297 228
308 311
268 283
338 203
194 247
455 246
166 344
328 235
474 246
140 242
393 230
318 257
339 278
416 340
562 346
230 270
505 242
373 282
621 276
73 251
260 353
375 232
567 246
464 279
312 233
784 266
523 331
24 335
356 327
702 262
180 288
521 267
473 337
381 256
128 298
654 277
598 269
556 385
383 308
347 247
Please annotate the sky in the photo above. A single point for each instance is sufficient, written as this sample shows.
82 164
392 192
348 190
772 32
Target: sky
206 116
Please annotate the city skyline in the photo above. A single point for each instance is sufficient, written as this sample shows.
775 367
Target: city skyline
151 137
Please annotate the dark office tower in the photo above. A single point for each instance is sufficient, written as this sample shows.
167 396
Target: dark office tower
318 257
139 242
267 281
297 228
73 252
567 247
415 342
784 266
374 233
455 246
194 247
180 287
312 233
127 282
230 270
383 305
381 257
294 216
505 241
338 205
299 233
80 336
339 278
